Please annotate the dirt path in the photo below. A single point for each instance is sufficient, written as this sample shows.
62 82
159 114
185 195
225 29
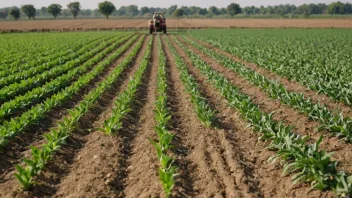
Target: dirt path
265 178
97 167
59 165
142 179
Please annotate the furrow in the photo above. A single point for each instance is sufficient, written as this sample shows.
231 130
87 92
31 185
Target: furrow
207 155
99 159
19 148
229 146
292 117
290 85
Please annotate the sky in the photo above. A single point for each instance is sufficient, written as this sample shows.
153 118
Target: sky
92 4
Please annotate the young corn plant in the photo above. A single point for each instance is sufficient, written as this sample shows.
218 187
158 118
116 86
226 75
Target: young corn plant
57 136
12 128
321 70
338 124
308 163
24 176
124 100
204 112
167 171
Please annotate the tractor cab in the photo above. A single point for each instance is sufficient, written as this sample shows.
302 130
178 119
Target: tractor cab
158 16
158 24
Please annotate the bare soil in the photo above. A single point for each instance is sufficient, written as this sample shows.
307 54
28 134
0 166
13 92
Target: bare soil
266 176
101 24
289 84
292 117
98 166
19 148
226 160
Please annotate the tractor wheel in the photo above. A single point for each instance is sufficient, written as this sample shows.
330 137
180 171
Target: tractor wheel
150 30
165 31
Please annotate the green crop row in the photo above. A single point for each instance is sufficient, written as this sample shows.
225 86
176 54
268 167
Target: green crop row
334 123
318 59
57 136
167 170
204 111
19 102
25 85
36 47
124 101
307 162
33 65
15 126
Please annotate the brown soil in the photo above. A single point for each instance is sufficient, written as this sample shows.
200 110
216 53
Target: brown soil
99 167
21 148
266 178
268 175
22 110
289 84
14 151
100 24
213 161
301 123
142 179
226 160
330 143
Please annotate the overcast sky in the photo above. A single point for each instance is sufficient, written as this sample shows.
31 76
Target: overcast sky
162 3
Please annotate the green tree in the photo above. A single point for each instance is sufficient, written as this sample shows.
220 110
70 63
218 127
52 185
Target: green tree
132 10
304 9
233 9
106 8
222 11
15 13
336 8
74 8
171 9
202 11
322 8
144 10
347 8
213 10
44 10
121 11
3 13
178 13
54 9
186 10
29 10
313 8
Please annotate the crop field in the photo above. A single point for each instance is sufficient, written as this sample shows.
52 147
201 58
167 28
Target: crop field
202 113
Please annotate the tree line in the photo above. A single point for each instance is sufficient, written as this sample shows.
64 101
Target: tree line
107 9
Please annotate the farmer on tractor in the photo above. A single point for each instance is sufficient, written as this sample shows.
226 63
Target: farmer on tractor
158 24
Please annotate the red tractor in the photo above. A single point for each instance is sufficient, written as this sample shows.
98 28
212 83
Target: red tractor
158 24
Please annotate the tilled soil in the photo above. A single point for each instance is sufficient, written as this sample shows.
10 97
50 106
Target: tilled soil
267 176
31 135
101 24
98 164
289 84
285 113
227 160
20 147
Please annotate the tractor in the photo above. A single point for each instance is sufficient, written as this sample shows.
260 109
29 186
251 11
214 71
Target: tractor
158 24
